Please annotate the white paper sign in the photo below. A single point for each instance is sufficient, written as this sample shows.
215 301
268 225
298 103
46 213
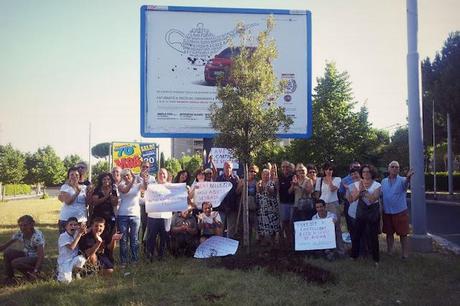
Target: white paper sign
216 246
221 155
318 234
213 192
166 198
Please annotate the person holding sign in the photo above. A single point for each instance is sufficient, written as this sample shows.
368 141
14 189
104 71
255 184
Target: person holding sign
322 213
367 192
268 219
209 222
157 224
129 214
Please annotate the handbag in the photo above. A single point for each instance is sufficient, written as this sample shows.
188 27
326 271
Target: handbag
305 203
317 194
369 213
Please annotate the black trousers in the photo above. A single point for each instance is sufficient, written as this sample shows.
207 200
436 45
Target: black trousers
370 231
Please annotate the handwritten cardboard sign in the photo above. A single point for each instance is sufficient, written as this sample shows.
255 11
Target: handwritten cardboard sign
216 246
316 234
221 155
213 192
166 198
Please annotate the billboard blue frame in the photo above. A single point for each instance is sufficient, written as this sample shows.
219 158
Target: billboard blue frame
143 67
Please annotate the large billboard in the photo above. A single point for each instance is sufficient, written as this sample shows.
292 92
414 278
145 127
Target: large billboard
131 155
185 49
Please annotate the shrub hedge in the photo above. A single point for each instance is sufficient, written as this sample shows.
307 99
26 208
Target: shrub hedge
441 181
17 189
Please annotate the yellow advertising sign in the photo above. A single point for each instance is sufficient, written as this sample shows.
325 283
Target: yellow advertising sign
127 155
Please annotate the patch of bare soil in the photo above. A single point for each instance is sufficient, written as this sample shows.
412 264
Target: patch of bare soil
276 262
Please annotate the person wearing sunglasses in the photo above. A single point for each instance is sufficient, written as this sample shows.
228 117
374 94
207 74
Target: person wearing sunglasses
396 214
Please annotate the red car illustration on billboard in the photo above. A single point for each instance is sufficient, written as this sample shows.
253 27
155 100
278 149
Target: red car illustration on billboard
219 66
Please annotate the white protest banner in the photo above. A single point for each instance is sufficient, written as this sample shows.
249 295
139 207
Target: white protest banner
221 155
318 234
213 192
216 246
166 197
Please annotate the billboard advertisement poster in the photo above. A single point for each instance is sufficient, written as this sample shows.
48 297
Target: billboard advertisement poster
131 155
184 50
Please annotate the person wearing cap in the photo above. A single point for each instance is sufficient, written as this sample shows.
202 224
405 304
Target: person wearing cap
208 175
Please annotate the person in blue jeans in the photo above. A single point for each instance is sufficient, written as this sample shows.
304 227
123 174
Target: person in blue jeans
130 189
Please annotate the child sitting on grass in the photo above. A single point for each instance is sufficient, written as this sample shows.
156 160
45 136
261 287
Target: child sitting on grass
29 260
209 222
68 259
96 250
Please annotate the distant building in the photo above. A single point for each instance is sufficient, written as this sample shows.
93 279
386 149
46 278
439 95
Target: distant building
186 146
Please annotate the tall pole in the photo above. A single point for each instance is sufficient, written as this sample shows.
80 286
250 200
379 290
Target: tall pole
434 156
420 240
90 172
450 167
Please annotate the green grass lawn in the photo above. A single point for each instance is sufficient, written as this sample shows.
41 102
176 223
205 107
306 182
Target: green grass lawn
423 279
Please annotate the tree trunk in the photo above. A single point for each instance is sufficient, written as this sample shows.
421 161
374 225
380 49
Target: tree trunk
246 232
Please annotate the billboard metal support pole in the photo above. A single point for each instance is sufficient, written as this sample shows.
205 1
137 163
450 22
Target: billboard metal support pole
420 241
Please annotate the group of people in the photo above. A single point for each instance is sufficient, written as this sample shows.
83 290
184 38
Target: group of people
93 218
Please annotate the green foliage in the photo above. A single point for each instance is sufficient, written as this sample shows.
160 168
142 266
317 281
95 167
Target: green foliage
270 154
100 167
17 189
340 135
101 150
71 160
246 116
45 167
191 163
441 84
12 165
398 148
173 166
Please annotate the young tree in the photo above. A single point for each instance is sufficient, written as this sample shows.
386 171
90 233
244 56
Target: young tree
247 116
12 165
162 160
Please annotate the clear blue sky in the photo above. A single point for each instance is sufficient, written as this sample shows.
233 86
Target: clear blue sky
64 64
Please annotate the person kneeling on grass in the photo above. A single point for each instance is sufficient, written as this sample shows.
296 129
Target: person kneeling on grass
209 222
68 258
322 213
29 260
96 250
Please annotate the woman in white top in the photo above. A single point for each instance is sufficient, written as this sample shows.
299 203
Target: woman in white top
158 224
73 198
129 212
328 186
367 192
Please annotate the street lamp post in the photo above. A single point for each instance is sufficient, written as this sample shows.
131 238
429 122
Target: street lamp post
420 241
